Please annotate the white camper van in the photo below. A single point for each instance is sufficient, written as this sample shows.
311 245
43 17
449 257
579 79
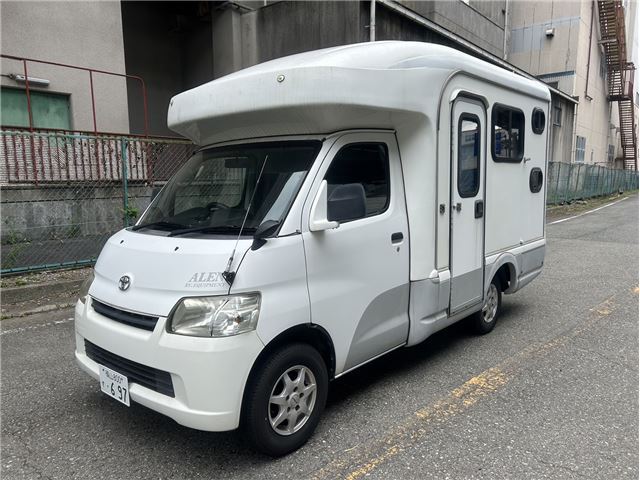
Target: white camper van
344 203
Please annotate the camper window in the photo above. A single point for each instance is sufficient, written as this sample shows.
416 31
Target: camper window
366 164
468 156
507 141
537 121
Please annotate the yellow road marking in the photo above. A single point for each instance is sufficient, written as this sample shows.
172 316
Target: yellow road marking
604 308
458 400
417 426
367 457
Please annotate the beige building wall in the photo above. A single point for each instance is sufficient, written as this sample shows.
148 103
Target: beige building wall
87 34
595 113
532 50
569 56
479 21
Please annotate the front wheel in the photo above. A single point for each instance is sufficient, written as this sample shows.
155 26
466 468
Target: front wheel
285 399
483 321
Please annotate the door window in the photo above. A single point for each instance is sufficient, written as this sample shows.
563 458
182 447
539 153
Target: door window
468 156
366 164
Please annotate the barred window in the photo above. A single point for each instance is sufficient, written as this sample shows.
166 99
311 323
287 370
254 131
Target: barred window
581 145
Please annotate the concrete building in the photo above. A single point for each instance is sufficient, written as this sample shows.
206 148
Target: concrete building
560 43
87 34
245 33
177 45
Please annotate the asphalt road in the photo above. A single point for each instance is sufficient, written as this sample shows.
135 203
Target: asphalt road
552 392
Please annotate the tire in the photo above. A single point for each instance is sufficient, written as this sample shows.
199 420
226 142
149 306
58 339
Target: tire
267 424
485 320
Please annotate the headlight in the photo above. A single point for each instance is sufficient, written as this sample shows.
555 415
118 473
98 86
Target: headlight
84 288
221 316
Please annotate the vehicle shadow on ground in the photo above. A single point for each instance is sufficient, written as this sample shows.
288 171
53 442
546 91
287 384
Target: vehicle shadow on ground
227 453
405 361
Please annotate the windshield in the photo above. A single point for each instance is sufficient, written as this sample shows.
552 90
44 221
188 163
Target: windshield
218 187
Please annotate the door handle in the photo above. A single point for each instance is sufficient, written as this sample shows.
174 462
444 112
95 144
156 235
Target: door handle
397 237
457 207
479 209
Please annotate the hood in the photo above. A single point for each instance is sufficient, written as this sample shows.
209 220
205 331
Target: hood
162 270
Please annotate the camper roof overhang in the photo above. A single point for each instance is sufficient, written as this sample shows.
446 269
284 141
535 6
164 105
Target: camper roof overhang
369 85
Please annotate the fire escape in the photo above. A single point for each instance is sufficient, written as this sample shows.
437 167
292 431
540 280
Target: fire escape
620 74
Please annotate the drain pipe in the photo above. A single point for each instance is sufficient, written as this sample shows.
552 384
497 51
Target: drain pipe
586 84
506 30
372 21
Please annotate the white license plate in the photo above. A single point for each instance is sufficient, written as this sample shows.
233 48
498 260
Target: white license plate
114 384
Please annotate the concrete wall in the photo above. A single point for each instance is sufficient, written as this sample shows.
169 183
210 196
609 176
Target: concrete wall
87 34
170 50
479 21
561 142
285 28
530 49
62 212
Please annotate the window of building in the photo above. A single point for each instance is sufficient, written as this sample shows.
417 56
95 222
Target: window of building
603 66
468 156
611 151
49 110
581 145
368 165
508 134
557 116
537 121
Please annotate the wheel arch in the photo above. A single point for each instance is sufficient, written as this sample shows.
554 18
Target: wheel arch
505 269
308 333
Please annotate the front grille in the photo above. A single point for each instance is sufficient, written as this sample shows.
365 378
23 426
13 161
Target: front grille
146 322
149 377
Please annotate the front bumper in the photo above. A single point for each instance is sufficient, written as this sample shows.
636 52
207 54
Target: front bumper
208 374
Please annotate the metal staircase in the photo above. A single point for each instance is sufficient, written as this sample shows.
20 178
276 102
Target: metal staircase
620 74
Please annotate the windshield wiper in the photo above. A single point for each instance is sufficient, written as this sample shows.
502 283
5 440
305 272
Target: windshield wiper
161 224
211 229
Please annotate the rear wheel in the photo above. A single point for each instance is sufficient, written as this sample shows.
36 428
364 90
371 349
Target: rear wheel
285 399
485 320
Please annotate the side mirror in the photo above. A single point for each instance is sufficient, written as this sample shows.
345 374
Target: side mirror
347 202
265 230
318 220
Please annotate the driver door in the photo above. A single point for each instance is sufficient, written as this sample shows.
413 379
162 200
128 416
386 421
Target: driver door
358 273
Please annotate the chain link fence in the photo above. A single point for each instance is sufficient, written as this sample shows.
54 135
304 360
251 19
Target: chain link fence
65 193
575 181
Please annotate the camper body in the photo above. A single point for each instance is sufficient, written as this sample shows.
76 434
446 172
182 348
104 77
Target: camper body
384 191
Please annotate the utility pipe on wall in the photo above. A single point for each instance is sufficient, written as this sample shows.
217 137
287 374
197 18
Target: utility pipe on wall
586 85
372 21
506 30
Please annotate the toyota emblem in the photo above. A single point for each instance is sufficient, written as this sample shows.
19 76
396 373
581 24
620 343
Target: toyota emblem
124 283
